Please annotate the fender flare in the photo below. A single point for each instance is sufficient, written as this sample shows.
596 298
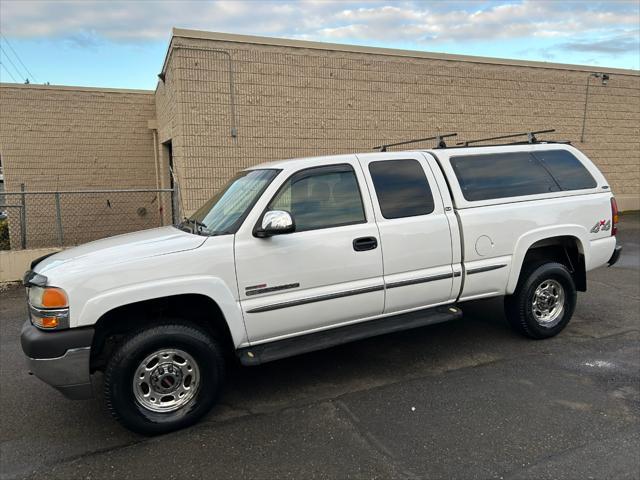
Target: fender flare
208 286
525 241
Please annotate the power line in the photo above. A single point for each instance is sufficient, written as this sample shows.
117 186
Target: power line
12 64
16 69
18 57
10 74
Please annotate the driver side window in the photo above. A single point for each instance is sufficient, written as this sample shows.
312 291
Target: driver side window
321 197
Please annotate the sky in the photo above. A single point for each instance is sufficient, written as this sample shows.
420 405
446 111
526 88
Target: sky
122 44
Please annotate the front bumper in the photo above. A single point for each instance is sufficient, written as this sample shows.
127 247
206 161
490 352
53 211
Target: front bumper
615 255
60 358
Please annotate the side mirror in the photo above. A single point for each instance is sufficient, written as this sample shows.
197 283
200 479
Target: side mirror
275 222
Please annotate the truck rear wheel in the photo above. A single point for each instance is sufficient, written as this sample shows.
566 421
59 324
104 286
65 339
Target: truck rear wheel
164 378
543 302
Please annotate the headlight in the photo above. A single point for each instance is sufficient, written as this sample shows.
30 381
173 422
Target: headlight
49 308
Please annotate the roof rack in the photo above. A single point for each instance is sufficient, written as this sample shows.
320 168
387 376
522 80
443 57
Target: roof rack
531 137
440 143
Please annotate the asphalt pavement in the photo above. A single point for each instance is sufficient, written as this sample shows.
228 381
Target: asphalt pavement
467 399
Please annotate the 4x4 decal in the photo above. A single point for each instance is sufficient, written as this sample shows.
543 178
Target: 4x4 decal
601 225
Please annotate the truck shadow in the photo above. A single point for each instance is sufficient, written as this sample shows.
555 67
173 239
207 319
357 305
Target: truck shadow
479 337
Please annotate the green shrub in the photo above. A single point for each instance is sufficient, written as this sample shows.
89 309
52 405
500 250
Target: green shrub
4 235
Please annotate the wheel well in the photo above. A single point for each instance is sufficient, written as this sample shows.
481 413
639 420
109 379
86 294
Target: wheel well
113 327
566 250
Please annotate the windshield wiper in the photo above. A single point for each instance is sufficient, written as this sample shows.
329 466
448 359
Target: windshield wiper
197 225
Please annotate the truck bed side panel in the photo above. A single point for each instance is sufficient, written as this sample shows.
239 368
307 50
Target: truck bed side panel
496 238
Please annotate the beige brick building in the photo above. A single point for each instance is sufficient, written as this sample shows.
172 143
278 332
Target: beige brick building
71 138
61 138
225 102
288 98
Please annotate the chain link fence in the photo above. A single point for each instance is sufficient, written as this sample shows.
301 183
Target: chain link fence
66 218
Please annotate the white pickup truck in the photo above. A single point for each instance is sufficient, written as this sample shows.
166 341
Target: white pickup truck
303 254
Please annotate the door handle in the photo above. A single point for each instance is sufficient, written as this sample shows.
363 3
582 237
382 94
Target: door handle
365 243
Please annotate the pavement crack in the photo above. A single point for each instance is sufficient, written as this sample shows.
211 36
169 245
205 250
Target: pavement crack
588 336
80 456
374 443
243 411
517 472
615 287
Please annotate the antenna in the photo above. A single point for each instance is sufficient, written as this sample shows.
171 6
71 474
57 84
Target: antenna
440 143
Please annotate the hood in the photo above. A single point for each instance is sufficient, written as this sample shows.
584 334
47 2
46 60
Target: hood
123 248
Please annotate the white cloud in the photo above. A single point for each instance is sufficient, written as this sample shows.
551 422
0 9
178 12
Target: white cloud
417 22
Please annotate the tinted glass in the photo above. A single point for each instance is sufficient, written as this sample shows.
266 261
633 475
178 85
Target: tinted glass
402 188
566 169
500 175
321 198
224 212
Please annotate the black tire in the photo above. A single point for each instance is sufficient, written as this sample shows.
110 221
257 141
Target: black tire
123 364
519 309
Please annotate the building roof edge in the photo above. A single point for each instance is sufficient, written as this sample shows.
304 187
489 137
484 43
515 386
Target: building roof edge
284 42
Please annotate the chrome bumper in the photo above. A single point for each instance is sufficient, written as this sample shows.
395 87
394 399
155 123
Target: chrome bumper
69 374
60 358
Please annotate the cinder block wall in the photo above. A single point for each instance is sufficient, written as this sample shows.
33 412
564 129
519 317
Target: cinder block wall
292 101
71 138
170 126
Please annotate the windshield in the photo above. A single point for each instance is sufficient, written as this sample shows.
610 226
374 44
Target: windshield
226 210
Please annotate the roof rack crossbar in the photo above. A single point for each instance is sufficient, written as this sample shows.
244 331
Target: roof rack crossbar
440 143
531 137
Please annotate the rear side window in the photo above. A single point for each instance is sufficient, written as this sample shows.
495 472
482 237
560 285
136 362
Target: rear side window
566 169
402 188
500 175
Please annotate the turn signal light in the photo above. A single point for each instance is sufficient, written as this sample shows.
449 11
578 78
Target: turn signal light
50 319
54 298
49 308
48 297
49 322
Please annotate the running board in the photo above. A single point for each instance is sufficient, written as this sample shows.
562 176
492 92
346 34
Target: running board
268 352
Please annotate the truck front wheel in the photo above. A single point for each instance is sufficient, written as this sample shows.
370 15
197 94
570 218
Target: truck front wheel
543 302
164 378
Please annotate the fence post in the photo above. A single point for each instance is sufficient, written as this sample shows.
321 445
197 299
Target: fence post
175 204
59 220
23 218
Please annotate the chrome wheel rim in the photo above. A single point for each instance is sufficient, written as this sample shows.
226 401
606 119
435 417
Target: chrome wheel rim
548 303
166 380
